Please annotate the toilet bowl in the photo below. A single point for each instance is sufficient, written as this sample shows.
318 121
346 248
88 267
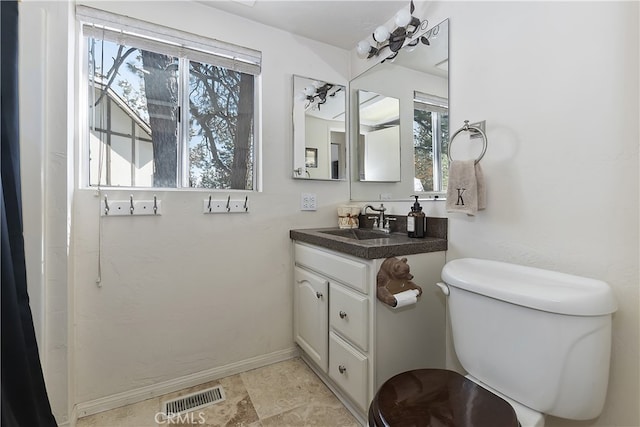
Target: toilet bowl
532 341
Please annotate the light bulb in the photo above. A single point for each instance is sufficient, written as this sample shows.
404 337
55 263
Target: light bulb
300 97
363 48
309 90
317 84
403 17
381 34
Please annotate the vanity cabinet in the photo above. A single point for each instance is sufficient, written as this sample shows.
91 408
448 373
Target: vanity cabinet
353 341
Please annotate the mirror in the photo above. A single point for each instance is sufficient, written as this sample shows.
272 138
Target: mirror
378 137
419 80
319 135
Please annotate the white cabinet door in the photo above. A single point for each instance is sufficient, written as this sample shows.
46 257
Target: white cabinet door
311 315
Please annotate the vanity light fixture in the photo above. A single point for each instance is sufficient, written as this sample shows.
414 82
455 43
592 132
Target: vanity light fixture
406 27
316 94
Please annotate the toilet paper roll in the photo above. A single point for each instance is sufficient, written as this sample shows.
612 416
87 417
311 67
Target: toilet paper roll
406 298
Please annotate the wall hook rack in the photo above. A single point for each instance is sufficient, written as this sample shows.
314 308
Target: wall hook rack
131 207
228 205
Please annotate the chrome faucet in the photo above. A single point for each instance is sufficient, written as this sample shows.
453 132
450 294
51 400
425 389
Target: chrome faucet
379 221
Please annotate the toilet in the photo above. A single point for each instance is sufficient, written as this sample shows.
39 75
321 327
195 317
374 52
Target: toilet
533 342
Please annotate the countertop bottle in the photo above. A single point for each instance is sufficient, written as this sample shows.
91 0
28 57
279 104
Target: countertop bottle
416 221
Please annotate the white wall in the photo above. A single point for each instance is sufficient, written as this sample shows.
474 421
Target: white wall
557 84
45 140
183 293
187 292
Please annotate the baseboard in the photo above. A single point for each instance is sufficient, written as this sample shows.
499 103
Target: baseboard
117 400
73 417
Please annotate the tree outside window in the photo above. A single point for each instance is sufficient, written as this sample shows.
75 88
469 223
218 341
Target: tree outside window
163 120
431 145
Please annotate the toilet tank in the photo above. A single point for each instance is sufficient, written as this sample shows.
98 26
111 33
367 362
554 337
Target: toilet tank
540 337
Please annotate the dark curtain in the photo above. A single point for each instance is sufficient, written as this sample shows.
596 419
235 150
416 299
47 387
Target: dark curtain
24 396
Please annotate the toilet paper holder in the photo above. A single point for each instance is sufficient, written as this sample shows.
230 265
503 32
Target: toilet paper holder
395 287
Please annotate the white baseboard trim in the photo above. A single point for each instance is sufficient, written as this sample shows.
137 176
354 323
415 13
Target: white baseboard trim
73 417
117 400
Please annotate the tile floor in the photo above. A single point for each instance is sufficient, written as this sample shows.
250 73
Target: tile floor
283 394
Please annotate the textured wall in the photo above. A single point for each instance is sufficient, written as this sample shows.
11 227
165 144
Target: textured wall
557 84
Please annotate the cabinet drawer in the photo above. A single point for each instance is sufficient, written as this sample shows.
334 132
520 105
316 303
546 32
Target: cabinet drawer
347 271
348 314
348 368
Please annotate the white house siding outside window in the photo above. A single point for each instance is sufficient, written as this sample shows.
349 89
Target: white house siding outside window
167 108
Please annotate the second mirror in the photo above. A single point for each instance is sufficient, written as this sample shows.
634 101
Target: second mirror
319 138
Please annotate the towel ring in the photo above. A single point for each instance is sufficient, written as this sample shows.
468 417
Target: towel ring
474 129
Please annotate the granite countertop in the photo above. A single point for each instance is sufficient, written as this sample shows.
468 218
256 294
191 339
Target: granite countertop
369 246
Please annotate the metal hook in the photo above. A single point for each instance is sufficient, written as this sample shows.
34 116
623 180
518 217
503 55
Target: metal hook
131 208
106 205
155 205
209 206
246 199
229 204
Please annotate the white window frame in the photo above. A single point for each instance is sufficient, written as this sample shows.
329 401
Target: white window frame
183 45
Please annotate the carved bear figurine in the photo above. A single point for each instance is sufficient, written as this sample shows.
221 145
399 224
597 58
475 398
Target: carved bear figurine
394 277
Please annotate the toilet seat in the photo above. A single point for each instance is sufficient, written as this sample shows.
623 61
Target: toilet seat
527 417
438 397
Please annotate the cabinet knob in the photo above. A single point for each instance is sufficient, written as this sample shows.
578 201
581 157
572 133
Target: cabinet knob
342 369
318 295
343 314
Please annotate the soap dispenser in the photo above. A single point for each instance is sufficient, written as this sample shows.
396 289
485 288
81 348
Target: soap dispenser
416 221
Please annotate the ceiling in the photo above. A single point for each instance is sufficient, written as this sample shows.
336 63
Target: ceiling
338 23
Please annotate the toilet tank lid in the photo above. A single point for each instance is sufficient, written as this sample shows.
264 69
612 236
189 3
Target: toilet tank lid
531 287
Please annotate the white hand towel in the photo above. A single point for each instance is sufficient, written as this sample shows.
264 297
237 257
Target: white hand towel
466 191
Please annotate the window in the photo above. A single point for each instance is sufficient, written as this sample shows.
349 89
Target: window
167 108
430 142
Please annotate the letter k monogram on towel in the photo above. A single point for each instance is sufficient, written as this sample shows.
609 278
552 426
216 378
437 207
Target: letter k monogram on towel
466 190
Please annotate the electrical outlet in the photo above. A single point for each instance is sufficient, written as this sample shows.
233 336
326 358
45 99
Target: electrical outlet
308 202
